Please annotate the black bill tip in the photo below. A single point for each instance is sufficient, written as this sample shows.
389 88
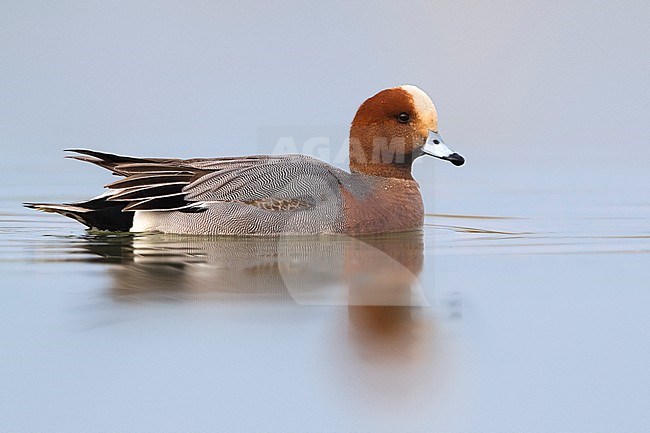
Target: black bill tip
456 159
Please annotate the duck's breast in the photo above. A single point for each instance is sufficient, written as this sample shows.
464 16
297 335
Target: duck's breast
381 205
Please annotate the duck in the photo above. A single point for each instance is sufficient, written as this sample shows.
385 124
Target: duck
277 194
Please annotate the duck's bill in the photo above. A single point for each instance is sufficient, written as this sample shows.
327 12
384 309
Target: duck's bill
434 146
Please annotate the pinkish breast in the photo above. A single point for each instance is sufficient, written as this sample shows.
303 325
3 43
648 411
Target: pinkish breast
391 205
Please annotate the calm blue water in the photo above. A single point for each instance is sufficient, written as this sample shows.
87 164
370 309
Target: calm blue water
522 306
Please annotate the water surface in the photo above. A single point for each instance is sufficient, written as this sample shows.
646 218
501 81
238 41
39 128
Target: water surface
521 306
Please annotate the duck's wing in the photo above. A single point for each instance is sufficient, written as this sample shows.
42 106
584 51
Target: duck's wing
270 182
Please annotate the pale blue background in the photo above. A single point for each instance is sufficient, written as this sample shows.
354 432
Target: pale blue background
198 77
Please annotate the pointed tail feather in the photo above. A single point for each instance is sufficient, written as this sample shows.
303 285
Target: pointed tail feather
98 213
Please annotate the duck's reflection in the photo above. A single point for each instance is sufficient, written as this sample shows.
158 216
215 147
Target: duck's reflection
376 278
380 270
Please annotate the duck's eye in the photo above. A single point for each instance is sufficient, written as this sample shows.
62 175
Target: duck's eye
403 117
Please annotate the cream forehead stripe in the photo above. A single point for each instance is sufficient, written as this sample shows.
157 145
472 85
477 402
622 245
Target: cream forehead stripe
423 104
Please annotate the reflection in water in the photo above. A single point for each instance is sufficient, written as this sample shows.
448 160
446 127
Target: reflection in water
359 302
384 332
375 277
341 270
383 287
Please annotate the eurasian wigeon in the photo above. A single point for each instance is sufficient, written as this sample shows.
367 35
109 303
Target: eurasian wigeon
271 194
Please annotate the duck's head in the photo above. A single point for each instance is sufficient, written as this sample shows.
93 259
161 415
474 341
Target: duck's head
394 127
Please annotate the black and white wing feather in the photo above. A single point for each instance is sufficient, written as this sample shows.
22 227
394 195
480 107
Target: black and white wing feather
278 183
